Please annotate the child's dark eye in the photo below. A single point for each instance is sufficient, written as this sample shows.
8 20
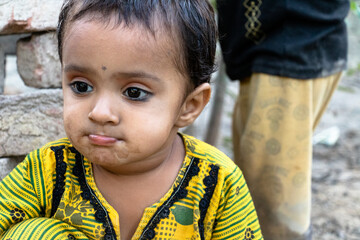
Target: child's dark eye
136 94
81 87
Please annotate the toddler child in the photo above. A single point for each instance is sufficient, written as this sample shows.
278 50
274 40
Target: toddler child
133 73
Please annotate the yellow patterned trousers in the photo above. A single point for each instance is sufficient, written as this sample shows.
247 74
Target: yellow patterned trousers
273 122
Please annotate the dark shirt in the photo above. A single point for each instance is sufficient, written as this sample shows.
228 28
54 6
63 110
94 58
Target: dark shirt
293 38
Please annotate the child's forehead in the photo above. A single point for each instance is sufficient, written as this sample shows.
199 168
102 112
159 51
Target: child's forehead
158 38
156 30
162 45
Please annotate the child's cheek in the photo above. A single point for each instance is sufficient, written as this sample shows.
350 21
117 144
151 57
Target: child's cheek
68 129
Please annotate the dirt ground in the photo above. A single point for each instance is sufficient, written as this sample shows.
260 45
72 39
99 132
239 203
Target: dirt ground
336 168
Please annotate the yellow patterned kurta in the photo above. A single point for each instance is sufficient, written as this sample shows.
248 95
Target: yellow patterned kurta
52 195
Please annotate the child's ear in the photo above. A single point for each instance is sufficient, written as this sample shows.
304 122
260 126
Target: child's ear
193 105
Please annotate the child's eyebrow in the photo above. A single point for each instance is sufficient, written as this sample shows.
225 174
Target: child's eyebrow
77 68
130 74
135 74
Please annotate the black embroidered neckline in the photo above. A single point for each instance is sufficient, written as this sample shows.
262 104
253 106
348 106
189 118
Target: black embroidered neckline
179 192
88 193
101 215
59 187
210 182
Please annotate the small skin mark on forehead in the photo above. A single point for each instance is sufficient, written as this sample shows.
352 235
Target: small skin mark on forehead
103 68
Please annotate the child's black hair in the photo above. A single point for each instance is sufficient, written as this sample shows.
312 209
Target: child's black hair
192 21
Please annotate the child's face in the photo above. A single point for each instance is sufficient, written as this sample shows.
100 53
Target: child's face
122 94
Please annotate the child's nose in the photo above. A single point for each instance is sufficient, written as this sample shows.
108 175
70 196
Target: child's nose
103 112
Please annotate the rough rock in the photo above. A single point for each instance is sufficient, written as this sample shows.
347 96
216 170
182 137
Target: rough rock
2 70
28 121
8 164
38 62
7 47
8 42
22 16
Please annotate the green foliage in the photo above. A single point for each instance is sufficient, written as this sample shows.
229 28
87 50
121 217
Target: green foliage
213 3
352 71
346 89
227 143
352 5
355 7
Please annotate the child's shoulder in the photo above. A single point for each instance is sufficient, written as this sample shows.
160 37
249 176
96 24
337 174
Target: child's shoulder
49 149
62 142
206 152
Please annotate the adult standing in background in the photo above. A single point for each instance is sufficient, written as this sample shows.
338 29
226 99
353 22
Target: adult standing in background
288 57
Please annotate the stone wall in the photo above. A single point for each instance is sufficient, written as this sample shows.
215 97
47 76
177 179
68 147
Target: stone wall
29 119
